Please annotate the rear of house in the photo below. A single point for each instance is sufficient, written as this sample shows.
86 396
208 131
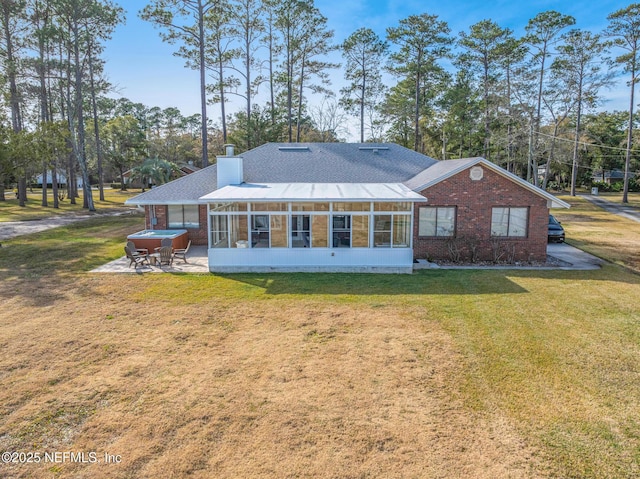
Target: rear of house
351 207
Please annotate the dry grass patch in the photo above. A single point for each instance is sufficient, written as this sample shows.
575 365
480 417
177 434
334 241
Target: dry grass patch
265 388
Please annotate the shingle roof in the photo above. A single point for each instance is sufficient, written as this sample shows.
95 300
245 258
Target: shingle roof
332 163
326 163
185 190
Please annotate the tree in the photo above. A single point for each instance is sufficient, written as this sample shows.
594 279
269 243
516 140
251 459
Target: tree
624 27
484 47
184 21
12 21
304 35
423 40
247 27
124 143
542 35
51 143
581 62
155 170
364 52
84 22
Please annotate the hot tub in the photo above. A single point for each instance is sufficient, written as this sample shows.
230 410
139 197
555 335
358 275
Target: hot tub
151 239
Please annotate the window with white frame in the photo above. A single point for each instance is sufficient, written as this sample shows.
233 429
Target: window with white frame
439 221
509 222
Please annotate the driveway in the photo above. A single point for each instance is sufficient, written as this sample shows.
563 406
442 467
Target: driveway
620 209
572 258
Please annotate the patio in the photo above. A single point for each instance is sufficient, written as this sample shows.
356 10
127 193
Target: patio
196 257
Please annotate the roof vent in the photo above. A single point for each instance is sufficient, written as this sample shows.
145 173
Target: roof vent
374 149
293 148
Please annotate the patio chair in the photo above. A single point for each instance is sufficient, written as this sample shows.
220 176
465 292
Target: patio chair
136 258
166 255
182 252
164 242
132 247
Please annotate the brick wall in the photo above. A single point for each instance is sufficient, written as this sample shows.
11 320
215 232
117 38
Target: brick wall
198 236
474 201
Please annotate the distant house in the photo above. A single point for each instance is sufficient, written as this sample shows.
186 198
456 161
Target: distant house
351 207
610 176
61 177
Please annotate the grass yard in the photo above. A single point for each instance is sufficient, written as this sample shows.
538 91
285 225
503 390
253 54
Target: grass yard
33 210
449 374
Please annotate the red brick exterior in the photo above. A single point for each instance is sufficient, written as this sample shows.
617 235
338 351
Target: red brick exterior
472 242
198 236
474 201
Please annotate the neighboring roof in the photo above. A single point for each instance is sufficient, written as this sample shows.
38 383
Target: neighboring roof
448 168
182 191
314 192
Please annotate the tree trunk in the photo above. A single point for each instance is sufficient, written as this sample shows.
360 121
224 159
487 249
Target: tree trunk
96 127
574 167
627 161
203 92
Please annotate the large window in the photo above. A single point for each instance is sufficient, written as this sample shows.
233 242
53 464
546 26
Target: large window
219 232
259 231
392 230
183 216
510 222
341 231
437 221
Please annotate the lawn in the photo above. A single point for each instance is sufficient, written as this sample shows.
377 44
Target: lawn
10 210
479 374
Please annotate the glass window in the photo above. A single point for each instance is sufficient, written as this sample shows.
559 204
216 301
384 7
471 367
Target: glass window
392 206
353 206
360 231
382 231
219 231
300 231
259 231
269 207
401 231
239 235
310 206
183 216
506 221
320 231
341 231
279 236
437 221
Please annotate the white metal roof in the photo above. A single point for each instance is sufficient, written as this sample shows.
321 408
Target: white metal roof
314 192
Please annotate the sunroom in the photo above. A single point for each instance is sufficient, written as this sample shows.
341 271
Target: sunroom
311 227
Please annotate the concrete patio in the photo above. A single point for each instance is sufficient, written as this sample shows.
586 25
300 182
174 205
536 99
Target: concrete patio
197 262
561 256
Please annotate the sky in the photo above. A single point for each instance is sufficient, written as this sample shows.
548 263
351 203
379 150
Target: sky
143 68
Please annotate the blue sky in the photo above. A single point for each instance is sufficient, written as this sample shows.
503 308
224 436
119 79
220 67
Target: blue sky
144 70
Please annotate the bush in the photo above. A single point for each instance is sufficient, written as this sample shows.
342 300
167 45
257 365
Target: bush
118 186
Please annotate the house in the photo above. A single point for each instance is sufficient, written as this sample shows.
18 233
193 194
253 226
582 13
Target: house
351 207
